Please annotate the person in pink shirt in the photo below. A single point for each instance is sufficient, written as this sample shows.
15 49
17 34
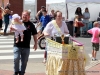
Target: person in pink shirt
95 31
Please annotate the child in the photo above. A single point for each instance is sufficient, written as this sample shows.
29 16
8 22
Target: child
95 31
77 29
18 27
77 24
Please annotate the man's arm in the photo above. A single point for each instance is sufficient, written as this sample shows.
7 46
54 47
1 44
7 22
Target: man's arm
35 41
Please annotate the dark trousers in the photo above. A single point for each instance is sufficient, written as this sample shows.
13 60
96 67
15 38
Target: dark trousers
77 31
45 54
0 23
6 26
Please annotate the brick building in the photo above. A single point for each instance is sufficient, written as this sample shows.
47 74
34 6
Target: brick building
40 3
18 5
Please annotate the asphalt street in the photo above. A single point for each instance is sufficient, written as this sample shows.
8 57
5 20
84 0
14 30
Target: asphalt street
35 64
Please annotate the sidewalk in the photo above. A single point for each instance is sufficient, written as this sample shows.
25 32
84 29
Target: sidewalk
6 72
33 68
92 69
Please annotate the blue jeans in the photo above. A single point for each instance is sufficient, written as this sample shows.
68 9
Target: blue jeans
21 55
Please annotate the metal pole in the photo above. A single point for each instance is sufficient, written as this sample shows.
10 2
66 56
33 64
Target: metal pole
67 10
36 6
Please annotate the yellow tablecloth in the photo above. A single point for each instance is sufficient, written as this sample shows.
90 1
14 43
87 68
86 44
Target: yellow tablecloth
65 59
57 66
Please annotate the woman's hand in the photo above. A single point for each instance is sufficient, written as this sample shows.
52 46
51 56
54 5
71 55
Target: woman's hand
40 36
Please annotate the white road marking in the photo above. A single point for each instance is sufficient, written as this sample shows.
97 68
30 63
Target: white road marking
9 46
3 37
6 39
31 56
12 57
6 42
11 51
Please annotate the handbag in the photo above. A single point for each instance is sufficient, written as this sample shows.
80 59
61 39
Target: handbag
80 24
58 37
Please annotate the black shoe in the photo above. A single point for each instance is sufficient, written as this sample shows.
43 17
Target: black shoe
94 59
4 34
21 73
16 73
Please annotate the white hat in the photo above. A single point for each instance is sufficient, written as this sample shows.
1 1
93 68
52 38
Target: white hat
15 16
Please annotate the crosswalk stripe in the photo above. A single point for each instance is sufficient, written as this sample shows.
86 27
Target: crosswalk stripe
6 39
3 37
6 49
9 46
11 51
6 42
30 56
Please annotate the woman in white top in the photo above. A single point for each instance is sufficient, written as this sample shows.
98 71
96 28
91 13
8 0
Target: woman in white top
86 17
56 65
51 30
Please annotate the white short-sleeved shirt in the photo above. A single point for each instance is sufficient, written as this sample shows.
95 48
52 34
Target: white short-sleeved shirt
51 30
86 15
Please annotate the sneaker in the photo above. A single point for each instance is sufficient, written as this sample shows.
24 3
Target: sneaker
94 59
44 61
